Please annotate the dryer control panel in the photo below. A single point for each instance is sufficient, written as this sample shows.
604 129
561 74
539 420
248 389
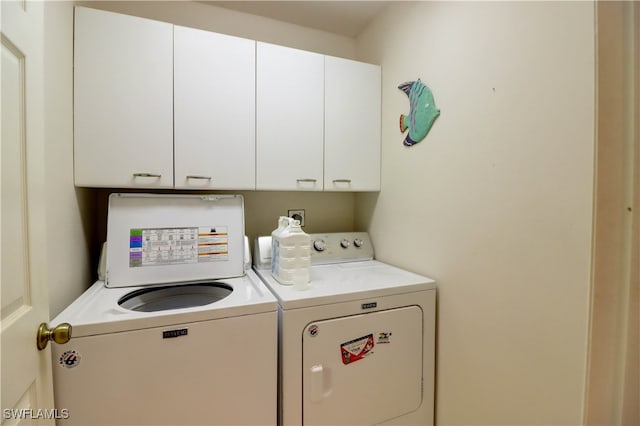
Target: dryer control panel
339 247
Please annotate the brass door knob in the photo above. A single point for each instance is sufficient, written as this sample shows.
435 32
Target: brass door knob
59 334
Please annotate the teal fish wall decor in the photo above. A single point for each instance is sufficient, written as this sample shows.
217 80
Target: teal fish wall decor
422 112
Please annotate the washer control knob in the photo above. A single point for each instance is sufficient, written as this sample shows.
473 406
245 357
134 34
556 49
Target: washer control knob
319 245
344 243
358 242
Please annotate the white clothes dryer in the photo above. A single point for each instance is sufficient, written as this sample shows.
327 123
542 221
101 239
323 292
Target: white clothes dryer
357 346
177 333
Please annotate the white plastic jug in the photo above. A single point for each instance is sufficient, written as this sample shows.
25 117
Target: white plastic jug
283 222
290 254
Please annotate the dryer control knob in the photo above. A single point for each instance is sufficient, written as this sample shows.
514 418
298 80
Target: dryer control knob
319 245
358 242
344 243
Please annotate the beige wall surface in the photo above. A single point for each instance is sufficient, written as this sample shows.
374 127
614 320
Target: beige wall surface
68 228
496 202
226 21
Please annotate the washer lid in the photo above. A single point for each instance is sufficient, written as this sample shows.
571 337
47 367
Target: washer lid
157 239
96 311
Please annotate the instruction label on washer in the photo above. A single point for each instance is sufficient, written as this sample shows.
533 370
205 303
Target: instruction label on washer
172 246
357 349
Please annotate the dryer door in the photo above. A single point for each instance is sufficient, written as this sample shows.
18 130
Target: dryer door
363 369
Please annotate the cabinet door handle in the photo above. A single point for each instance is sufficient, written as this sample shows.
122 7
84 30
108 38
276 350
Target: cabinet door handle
199 177
307 180
150 175
342 181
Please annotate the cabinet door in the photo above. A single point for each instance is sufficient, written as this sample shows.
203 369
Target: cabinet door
352 126
214 109
289 121
123 100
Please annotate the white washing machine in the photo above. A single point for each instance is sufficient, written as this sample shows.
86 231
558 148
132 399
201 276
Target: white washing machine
178 333
358 346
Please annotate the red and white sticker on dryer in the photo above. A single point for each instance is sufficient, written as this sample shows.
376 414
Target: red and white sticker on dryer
357 349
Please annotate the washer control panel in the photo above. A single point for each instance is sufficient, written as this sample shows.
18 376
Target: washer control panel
340 247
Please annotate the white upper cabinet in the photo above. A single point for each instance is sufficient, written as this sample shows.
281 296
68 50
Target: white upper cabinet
352 125
123 100
164 106
214 110
290 119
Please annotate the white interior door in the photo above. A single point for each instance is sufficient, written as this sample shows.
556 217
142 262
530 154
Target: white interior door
26 372
362 369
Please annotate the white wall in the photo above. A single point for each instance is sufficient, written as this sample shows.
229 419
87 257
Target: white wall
496 202
226 21
68 221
